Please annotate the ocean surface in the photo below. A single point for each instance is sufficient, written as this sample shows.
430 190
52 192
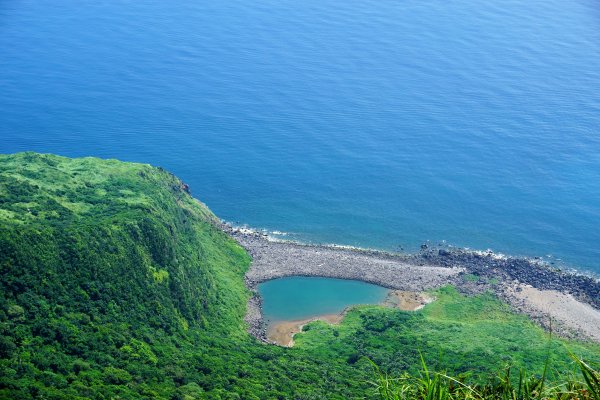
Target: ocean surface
295 298
381 124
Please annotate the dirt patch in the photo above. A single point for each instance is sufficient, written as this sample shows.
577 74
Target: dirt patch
282 333
407 301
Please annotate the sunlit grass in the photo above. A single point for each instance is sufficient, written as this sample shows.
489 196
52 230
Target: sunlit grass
509 384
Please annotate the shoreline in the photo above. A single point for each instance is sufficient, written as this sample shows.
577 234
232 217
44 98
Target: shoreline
566 302
282 332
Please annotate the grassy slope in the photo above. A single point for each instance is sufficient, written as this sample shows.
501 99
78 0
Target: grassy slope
99 259
96 221
116 284
475 336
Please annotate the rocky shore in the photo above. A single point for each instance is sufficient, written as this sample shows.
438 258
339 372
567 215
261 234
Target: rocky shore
487 265
565 302
568 302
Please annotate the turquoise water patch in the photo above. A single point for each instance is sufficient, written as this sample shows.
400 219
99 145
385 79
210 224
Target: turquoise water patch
293 298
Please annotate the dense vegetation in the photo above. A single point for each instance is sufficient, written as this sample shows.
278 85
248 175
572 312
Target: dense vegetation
116 283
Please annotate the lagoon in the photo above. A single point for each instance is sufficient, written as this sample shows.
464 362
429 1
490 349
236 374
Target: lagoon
296 298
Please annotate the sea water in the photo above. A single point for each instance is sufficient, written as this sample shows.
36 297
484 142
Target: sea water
371 123
296 298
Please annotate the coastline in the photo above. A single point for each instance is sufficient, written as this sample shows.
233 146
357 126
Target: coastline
566 302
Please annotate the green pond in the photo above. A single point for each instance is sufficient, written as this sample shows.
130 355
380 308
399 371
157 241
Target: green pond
293 298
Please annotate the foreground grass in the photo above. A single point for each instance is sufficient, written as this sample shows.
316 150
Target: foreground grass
440 386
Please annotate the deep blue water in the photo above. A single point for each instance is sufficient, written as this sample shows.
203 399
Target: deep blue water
295 298
372 123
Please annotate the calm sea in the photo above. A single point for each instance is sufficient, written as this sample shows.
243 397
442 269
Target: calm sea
374 123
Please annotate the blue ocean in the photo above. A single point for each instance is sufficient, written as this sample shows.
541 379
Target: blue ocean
381 124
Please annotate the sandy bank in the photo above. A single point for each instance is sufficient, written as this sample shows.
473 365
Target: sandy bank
282 333
556 310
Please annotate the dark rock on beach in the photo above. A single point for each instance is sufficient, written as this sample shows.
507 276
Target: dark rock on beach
523 270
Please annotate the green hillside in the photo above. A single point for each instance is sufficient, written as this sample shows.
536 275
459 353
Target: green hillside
116 283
